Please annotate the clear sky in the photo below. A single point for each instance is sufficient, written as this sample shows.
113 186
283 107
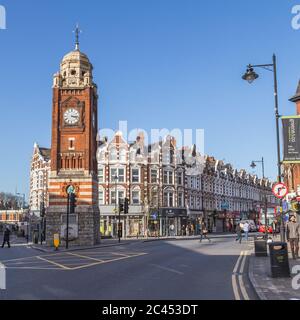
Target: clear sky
158 64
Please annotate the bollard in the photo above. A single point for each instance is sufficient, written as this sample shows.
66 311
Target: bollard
2 277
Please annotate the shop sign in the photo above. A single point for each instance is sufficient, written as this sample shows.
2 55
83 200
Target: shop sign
225 205
172 212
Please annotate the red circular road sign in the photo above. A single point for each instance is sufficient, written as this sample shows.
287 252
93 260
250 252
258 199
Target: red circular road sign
280 190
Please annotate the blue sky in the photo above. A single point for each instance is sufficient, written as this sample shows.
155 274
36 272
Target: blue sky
158 64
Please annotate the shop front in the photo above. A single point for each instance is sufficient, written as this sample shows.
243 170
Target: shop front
226 221
173 221
133 224
194 222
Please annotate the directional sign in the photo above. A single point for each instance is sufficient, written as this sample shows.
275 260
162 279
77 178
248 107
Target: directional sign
280 190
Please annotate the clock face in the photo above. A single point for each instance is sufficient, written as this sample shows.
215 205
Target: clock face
71 116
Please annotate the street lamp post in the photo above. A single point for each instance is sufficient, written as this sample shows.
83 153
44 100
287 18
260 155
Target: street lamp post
251 76
23 205
116 178
253 165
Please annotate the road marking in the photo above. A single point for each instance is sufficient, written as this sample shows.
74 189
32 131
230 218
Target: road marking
234 279
235 288
242 285
65 260
238 262
106 261
237 277
243 262
34 268
167 269
243 288
85 257
55 263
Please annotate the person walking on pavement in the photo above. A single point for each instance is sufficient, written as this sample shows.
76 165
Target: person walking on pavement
203 232
292 234
239 233
6 237
246 230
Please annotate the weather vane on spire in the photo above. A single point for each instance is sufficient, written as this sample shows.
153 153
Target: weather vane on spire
77 31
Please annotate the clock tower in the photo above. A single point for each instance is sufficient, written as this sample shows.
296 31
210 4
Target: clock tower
73 152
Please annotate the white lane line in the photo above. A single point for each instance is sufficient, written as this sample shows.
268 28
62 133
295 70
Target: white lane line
167 269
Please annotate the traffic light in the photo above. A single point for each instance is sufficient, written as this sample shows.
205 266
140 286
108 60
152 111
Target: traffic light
121 206
72 202
126 205
43 210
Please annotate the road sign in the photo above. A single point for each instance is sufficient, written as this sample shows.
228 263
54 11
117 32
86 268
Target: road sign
280 190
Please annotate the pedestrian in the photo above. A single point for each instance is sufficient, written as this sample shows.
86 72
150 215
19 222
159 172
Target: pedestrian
204 232
6 237
238 233
292 234
246 227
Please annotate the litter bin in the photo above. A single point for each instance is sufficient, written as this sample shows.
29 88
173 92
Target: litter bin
280 267
260 245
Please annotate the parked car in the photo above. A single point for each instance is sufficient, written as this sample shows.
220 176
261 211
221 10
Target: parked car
262 229
251 223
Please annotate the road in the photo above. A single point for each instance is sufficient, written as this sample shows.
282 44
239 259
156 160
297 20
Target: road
181 269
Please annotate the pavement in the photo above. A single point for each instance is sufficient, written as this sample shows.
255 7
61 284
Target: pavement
140 270
268 288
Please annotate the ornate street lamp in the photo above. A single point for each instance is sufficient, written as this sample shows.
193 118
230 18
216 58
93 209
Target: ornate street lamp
250 76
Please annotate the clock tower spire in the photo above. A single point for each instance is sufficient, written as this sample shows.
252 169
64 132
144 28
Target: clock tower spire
77 31
73 151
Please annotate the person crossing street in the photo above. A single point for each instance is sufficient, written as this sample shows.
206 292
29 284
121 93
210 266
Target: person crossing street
203 232
246 228
238 233
6 237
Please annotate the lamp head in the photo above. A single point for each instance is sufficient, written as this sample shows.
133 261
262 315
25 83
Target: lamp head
250 75
253 165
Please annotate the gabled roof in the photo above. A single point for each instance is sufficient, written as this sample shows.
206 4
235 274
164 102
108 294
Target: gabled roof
296 97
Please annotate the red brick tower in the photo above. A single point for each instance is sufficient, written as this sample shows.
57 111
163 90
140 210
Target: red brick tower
73 151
